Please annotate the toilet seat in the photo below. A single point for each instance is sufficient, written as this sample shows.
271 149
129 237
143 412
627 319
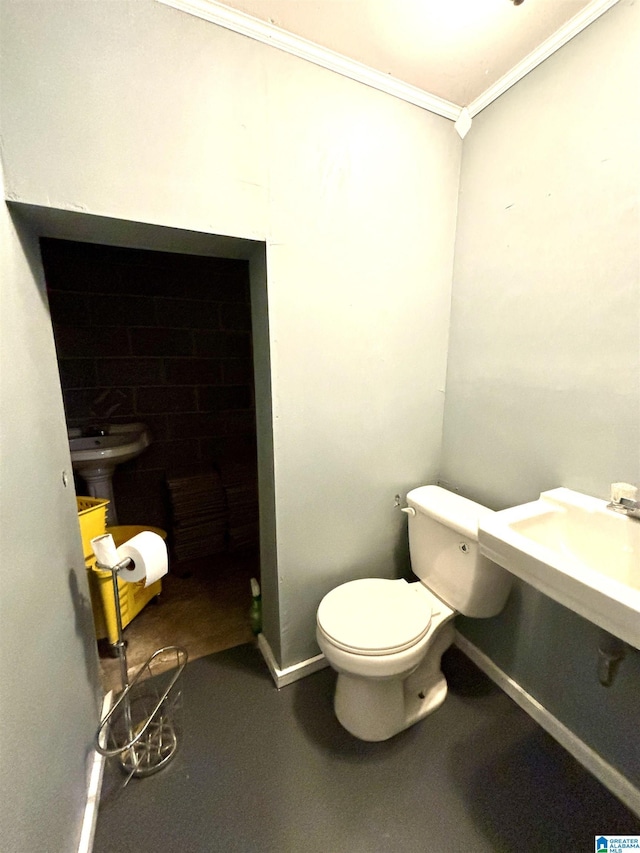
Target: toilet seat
375 616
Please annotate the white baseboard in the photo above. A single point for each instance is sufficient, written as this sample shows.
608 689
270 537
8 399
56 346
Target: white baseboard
94 789
282 677
611 778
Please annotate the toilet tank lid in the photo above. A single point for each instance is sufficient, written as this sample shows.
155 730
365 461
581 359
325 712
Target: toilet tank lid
448 508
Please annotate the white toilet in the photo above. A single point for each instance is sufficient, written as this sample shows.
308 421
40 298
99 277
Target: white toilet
385 638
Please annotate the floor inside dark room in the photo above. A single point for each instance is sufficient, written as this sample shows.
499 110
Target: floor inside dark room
260 769
203 607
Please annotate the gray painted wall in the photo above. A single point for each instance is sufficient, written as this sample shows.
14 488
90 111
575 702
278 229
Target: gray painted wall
49 699
543 383
353 192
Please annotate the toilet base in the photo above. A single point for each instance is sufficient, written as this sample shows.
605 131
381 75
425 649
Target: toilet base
377 709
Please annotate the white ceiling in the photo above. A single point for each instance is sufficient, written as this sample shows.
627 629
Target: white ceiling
454 49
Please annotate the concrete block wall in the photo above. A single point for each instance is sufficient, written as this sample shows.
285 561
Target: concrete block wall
161 338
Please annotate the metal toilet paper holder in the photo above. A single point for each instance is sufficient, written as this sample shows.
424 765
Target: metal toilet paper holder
140 729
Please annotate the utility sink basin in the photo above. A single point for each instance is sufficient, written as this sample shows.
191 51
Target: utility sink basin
121 443
575 550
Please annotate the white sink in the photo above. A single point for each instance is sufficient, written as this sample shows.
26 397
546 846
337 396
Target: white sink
95 457
121 443
576 551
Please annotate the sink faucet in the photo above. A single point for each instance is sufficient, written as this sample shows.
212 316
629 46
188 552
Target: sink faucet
624 498
629 507
94 430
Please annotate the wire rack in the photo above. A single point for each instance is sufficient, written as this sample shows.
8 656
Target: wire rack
141 728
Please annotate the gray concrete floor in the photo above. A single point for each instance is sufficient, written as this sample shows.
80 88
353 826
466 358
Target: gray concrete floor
261 770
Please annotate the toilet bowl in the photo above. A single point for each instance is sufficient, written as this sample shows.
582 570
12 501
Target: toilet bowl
385 638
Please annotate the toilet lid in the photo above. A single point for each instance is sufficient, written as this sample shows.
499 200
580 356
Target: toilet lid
375 616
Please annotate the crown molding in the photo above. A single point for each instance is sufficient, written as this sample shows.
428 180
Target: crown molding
247 25
463 124
262 31
568 31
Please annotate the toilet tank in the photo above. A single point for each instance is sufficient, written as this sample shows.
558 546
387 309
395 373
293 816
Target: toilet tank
445 556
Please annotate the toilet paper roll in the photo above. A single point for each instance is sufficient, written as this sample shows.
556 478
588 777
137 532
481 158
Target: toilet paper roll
149 555
104 549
